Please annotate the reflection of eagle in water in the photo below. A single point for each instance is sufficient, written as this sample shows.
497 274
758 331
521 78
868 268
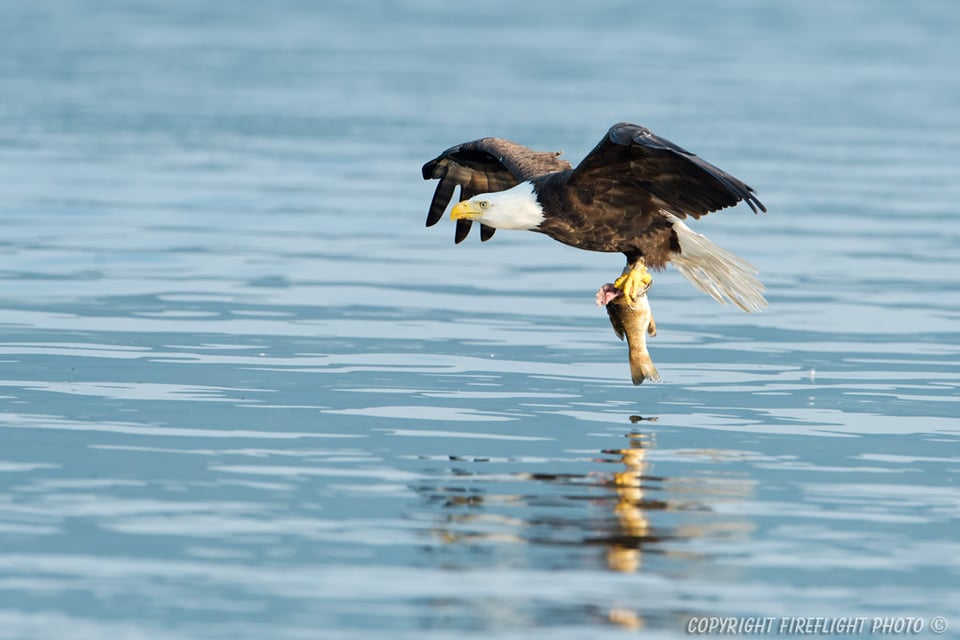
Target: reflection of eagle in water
629 195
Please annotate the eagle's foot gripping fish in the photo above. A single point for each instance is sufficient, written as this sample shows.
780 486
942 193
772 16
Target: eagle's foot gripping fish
634 281
632 320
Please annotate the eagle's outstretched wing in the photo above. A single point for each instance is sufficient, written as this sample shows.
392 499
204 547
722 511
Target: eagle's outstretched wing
632 166
484 166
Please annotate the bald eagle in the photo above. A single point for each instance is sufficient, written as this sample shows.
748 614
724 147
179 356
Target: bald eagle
630 195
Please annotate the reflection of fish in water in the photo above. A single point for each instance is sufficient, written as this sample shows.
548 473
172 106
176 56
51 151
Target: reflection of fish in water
633 321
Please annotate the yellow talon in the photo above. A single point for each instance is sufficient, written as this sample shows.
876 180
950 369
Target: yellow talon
634 281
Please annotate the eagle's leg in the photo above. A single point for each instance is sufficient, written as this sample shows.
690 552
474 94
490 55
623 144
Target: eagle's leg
635 280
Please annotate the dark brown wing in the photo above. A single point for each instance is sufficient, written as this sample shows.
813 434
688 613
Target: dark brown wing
483 166
633 167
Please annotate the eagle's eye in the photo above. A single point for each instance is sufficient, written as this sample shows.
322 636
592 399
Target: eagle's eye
483 204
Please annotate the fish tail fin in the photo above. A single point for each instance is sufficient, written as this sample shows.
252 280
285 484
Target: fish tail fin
641 367
717 272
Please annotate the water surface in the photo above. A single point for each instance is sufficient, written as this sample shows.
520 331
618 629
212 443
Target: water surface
246 394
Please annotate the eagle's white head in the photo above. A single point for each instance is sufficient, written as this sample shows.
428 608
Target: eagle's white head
515 208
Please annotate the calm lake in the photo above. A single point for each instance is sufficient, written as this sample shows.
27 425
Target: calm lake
245 394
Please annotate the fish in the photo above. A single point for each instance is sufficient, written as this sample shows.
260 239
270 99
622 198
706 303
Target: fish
633 321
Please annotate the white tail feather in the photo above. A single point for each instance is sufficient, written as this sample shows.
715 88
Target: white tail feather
714 270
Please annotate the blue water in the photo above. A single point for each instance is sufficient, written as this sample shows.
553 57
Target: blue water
245 394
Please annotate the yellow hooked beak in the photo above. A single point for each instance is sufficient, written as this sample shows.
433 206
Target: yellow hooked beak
466 210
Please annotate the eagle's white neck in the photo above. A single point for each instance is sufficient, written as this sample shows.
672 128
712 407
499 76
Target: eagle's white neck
515 208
